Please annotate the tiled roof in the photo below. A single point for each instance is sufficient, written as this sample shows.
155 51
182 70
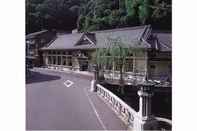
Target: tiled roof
129 36
32 35
66 41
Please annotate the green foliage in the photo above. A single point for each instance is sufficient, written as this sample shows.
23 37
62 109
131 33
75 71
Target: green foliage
115 50
120 13
88 15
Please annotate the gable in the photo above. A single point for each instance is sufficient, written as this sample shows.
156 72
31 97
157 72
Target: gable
86 39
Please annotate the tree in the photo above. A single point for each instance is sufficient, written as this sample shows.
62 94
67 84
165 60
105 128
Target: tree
51 14
115 52
108 14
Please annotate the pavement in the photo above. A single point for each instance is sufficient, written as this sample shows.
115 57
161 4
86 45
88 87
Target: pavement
63 101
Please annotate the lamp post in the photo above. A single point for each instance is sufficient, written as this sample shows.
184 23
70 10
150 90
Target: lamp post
145 119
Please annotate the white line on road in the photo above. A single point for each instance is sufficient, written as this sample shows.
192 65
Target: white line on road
94 108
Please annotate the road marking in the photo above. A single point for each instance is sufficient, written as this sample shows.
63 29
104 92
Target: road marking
68 83
95 111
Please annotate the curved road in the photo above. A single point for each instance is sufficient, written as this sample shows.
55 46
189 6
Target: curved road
51 105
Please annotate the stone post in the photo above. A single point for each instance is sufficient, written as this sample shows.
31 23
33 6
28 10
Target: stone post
145 120
94 81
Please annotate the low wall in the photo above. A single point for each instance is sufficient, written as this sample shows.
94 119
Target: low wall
127 114
124 111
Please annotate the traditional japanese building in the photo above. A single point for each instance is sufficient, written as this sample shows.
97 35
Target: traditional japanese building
75 51
34 42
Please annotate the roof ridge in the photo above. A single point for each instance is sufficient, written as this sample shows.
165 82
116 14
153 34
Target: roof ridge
36 33
145 31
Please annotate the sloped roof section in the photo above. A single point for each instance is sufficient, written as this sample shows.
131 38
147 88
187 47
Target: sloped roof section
131 36
164 40
66 41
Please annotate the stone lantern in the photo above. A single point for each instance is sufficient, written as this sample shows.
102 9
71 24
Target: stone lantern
145 119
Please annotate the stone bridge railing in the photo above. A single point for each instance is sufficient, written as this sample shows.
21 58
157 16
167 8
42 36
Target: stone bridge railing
124 111
128 115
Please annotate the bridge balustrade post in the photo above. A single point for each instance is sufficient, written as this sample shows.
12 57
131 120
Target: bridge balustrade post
145 120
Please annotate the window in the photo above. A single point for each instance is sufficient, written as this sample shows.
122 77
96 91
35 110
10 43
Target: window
109 66
152 66
54 60
53 52
117 65
43 41
59 60
130 54
69 61
129 65
49 60
64 60
69 53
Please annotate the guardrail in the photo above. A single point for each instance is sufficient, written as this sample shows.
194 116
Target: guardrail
124 111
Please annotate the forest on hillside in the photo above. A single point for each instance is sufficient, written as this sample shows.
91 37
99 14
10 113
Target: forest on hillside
89 15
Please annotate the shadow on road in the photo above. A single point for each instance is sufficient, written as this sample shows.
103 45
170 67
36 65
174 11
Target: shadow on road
39 77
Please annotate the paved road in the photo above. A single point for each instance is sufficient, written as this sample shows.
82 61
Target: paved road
50 105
